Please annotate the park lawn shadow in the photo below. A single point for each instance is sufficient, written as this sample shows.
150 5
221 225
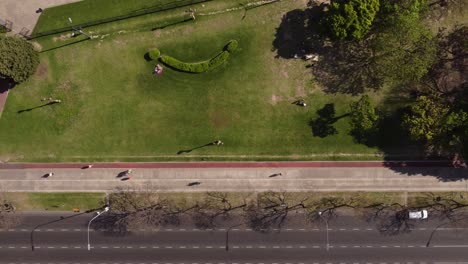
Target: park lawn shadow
323 125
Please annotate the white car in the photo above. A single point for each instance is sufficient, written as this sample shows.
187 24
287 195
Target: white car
418 214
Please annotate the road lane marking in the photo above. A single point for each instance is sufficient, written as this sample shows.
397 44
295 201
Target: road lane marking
448 246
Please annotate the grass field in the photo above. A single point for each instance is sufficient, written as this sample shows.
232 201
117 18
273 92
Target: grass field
90 10
113 108
55 201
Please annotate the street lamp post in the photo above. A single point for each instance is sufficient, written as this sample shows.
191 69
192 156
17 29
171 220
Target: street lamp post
89 224
326 226
79 30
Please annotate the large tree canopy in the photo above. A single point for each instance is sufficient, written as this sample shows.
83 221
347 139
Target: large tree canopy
350 19
18 59
443 127
404 47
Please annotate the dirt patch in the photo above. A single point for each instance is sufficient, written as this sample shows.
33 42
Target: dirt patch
62 37
157 33
42 71
219 119
300 91
276 99
36 45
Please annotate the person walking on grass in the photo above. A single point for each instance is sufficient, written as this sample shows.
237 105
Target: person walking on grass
218 143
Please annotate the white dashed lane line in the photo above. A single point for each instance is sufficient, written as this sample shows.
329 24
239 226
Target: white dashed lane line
355 229
244 247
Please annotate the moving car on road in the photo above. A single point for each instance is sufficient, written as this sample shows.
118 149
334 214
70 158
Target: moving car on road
418 214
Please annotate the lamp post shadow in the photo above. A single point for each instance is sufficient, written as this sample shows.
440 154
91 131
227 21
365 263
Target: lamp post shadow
54 221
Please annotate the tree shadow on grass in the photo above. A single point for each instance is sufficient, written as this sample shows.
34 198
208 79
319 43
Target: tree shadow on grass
298 33
323 125
343 66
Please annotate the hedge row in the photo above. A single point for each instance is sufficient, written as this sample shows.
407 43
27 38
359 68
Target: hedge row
154 54
203 66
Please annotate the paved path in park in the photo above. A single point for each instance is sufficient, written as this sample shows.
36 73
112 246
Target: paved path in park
236 176
23 12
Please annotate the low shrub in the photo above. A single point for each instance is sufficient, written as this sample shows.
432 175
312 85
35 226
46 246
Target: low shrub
231 46
154 54
218 59
203 66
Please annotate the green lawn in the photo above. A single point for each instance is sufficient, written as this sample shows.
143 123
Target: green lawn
113 108
92 10
55 201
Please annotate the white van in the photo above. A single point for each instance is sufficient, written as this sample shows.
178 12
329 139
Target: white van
418 214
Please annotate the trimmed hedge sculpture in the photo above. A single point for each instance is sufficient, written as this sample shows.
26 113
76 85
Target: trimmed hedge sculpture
154 54
203 66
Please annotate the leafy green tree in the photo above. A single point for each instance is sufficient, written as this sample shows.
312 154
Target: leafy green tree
442 126
18 59
404 48
424 120
350 19
364 120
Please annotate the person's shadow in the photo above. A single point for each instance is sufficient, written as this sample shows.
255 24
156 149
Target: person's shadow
190 150
39 106
194 183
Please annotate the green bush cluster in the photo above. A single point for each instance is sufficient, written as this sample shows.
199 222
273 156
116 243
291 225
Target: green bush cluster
203 66
231 46
154 54
18 58
3 29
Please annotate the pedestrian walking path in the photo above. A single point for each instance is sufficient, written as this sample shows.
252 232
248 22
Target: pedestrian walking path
235 176
272 164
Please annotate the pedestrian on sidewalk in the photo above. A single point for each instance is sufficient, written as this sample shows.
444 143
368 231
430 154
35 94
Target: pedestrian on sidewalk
89 166
47 175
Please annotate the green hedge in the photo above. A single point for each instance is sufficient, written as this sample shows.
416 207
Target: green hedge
231 46
154 54
203 66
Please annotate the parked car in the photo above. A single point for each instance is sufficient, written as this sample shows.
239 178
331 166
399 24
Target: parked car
418 214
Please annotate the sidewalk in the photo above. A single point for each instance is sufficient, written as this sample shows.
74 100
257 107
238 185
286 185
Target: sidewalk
234 177
272 164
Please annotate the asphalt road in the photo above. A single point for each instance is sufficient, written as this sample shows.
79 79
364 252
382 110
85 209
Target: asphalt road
350 241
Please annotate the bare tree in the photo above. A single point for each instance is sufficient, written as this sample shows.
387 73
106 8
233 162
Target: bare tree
391 219
7 213
216 205
328 207
140 209
271 210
